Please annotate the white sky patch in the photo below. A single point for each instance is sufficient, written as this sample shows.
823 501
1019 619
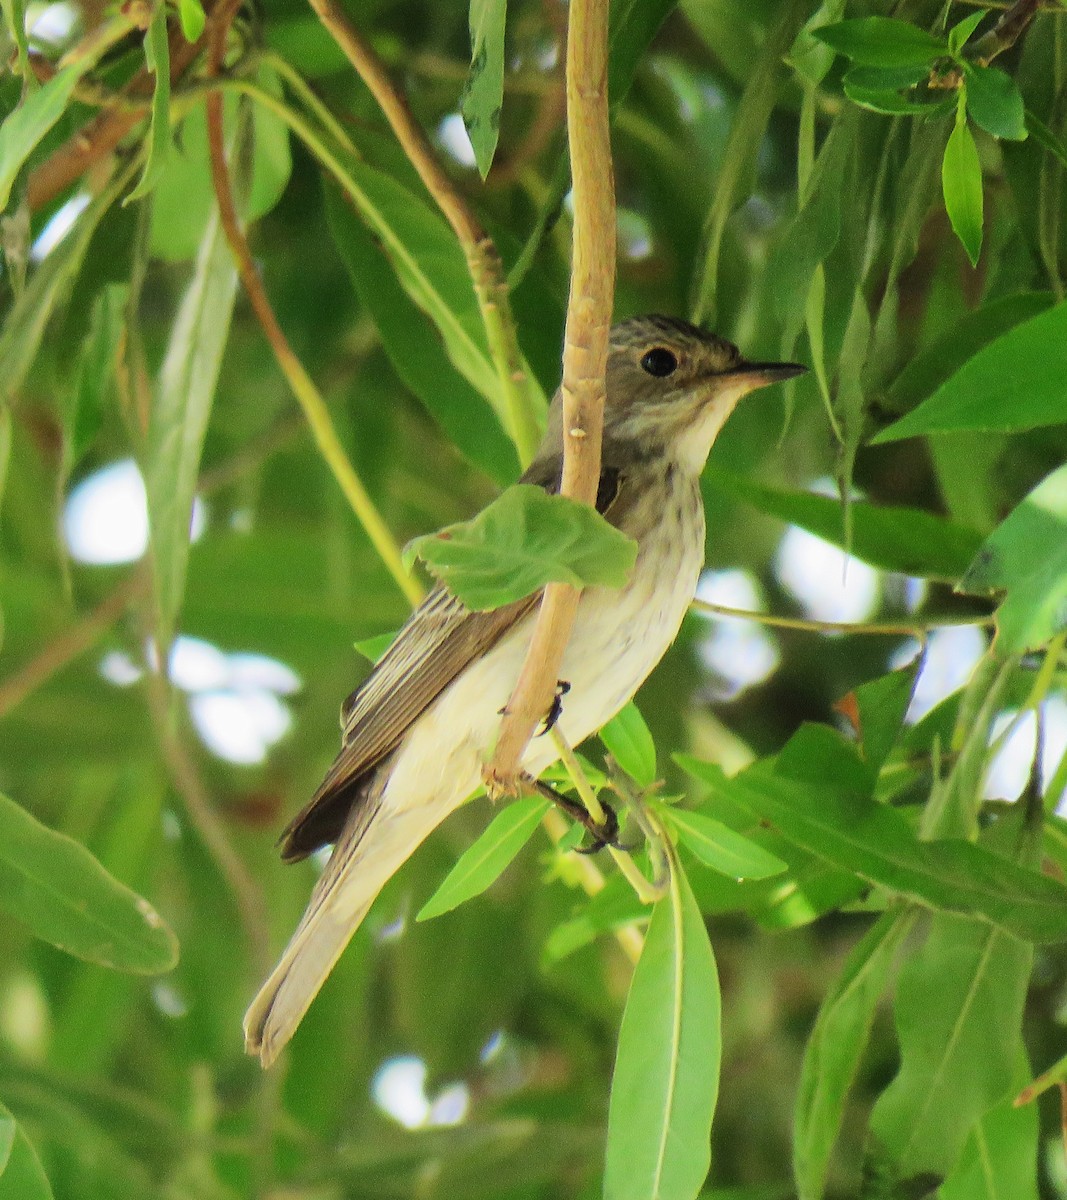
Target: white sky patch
52 23
635 235
239 726
452 134
105 518
741 653
58 226
827 583
197 666
1011 766
399 1090
118 668
951 655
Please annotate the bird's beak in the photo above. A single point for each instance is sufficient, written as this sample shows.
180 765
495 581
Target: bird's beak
760 374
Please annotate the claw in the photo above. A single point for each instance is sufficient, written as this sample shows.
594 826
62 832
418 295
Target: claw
556 711
602 835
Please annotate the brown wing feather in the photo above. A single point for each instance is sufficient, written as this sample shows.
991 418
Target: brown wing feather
439 639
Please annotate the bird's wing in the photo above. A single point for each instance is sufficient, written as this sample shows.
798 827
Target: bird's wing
439 639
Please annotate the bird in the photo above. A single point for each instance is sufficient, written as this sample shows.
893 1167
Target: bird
418 731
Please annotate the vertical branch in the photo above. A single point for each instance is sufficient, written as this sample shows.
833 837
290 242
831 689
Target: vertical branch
585 355
483 260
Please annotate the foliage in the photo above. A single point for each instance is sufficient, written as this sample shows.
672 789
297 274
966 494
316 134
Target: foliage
875 190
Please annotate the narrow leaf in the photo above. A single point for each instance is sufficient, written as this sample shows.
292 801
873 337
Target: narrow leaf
1014 382
483 96
523 540
483 863
21 1175
666 1078
960 33
835 1047
178 421
35 116
877 844
958 1012
1041 133
629 742
373 648
59 891
961 182
881 42
995 102
192 17
157 56
722 848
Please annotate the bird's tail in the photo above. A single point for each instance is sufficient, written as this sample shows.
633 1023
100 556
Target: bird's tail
370 850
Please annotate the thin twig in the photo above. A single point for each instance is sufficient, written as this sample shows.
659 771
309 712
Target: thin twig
483 260
880 629
585 354
80 637
307 394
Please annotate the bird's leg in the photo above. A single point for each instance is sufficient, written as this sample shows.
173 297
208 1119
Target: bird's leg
603 834
556 711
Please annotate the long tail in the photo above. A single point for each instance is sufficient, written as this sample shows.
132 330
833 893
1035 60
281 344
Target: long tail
369 852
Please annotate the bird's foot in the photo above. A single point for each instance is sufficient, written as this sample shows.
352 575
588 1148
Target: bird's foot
556 711
602 834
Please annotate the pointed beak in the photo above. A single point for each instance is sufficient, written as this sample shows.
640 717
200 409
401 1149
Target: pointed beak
761 374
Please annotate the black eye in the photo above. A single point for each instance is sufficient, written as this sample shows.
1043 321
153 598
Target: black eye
659 362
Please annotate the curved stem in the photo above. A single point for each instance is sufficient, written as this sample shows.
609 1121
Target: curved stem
881 629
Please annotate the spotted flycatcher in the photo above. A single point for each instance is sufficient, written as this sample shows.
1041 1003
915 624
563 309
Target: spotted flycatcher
419 730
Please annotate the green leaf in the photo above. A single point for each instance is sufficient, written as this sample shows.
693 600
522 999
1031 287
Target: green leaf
1012 383
632 24
958 1011
178 421
157 56
192 18
15 17
995 102
59 891
1000 1157
882 42
877 844
665 1084
523 540
881 706
722 848
961 182
40 109
630 743
835 1048
483 863
483 96
415 348
960 33
890 103
21 1175
89 396
373 648
1026 555
907 540
614 906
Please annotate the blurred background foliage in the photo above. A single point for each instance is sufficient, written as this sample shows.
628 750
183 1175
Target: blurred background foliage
469 1056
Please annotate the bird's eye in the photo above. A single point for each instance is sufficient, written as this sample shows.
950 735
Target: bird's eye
660 362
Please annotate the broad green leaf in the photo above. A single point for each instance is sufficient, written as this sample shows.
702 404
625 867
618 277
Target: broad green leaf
958 1011
178 421
1041 133
523 540
1000 1157
1014 382
881 706
1026 556
961 182
480 865
193 20
39 111
995 102
960 33
722 848
184 198
887 79
877 844
415 349
157 56
483 96
835 1048
882 42
809 57
878 89
630 743
21 1175
614 906
928 370
59 891
666 1078
907 540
